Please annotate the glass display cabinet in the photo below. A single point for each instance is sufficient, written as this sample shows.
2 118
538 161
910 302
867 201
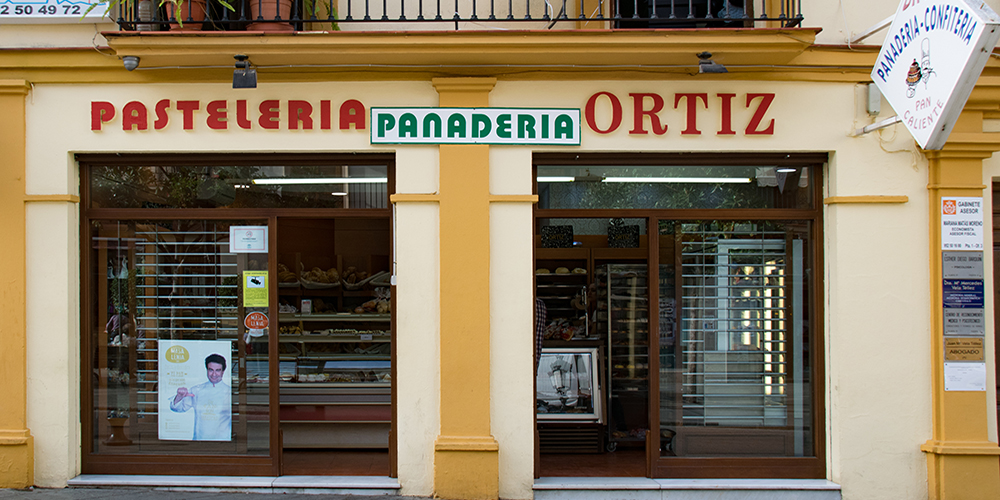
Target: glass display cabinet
625 306
567 385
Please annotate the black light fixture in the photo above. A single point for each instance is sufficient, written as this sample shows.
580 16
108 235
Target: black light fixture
707 65
245 76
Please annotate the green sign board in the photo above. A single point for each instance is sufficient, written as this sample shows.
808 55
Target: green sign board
523 126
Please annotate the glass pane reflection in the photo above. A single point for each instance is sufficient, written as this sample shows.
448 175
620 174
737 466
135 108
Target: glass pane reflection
175 369
734 350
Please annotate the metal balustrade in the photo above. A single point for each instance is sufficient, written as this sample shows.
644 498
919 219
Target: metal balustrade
441 15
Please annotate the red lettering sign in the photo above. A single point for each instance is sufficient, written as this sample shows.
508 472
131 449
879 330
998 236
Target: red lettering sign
692 111
639 124
696 102
101 112
134 115
753 128
217 119
269 114
726 127
300 112
188 108
590 113
352 112
161 114
241 114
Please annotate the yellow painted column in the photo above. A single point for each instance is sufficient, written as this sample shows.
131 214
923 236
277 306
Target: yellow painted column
466 462
16 445
961 461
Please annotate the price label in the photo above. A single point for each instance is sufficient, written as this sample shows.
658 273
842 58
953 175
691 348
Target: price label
366 336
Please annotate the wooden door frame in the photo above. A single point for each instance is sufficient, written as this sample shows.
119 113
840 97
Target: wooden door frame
718 467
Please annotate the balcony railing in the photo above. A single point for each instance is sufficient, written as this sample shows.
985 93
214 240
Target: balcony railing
438 15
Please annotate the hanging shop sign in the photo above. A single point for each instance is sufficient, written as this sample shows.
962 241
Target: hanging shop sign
475 126
195 399
930 61
49 11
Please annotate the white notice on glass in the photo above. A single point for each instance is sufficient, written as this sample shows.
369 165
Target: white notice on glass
960 376
962 223
248 239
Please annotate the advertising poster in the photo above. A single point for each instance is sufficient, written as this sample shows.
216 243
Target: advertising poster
195 397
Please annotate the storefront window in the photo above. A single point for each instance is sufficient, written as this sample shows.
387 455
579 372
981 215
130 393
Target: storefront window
673 187
263 186
696 286
175 367
734 339
237 314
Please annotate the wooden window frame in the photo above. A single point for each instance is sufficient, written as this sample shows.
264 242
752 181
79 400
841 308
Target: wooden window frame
215 465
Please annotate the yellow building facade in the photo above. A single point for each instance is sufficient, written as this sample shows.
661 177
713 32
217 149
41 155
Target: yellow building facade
459 230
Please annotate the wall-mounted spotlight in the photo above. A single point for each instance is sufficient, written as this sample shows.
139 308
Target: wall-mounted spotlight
245 76
707 65
131 62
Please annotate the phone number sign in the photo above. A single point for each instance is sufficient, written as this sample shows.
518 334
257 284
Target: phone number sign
49 11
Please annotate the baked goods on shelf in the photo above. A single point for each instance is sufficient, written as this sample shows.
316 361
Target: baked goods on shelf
317 278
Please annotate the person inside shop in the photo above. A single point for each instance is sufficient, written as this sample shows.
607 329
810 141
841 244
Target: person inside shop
118 328
212 403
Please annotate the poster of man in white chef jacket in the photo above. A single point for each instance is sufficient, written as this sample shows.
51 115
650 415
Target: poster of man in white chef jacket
195 400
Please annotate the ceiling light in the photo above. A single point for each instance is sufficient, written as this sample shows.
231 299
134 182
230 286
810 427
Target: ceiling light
338 193
682 180
324 180
555 179
785 170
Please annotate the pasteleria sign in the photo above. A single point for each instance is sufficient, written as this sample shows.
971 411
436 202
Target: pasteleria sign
475 126
930 61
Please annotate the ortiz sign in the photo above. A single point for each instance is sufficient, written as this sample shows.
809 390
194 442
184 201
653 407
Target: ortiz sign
930 61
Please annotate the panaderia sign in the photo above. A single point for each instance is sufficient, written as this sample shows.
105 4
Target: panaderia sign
604 113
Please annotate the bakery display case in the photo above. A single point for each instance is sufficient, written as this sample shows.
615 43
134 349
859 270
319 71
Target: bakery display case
334 333
562 283
567 387
623 306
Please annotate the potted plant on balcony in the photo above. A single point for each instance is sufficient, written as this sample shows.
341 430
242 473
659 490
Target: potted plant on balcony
282 9
194 11
261 10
